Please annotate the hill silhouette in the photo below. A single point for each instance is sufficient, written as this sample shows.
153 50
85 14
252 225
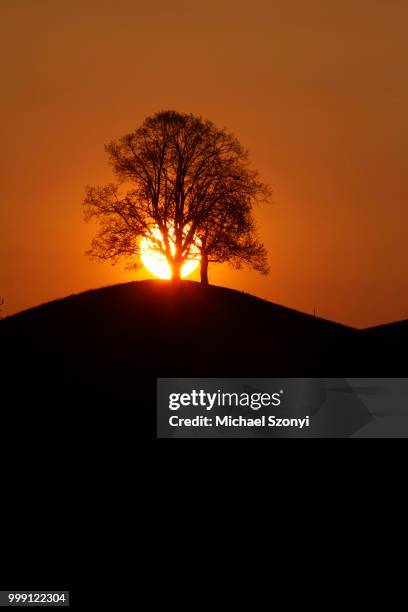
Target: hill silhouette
105 348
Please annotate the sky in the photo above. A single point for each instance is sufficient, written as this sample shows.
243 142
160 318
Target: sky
315 89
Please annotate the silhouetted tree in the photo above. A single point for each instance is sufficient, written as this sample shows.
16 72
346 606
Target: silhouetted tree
183 176
229 235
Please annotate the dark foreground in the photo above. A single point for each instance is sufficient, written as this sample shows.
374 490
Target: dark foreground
93 358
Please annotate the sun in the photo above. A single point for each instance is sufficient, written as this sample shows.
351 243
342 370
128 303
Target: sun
157 263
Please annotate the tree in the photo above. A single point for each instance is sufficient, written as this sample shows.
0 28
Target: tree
229 235
181 175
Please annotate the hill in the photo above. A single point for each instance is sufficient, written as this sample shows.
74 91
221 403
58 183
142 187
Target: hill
393 334
106 347
182 330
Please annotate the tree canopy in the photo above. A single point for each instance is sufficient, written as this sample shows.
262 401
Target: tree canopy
184 185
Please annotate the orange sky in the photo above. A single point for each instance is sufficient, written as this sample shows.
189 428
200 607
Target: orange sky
316 89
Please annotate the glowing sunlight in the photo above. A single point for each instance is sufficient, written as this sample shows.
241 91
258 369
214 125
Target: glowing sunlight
157 263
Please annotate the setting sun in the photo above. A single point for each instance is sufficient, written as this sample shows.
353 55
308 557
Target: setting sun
156 262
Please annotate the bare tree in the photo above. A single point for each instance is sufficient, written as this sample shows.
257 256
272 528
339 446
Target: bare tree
190 180
229 235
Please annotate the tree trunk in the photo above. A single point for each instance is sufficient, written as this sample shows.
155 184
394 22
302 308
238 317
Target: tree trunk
176 270
204 269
